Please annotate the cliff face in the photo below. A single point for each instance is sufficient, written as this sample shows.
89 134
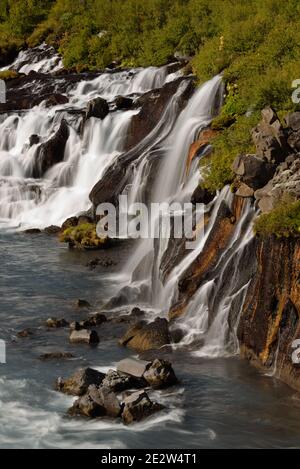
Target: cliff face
269 322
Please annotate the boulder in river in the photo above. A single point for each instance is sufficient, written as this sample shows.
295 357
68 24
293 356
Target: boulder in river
132 366
84 336
83 304
97 107
138 406
160 374
56 356
98 401
52 230
142 336
117 381
78 384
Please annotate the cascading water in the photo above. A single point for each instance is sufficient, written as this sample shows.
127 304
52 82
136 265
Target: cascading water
63 191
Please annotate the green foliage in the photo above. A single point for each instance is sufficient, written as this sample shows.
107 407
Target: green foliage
216 170
282 221
8 75
83 236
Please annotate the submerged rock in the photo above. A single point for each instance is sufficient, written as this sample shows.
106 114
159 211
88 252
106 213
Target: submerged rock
83 304
25 333
138 406
56 356
78 384
84 336
142 336
56 323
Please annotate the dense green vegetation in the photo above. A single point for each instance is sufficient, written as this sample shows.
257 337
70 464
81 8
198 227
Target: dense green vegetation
283 221
254 43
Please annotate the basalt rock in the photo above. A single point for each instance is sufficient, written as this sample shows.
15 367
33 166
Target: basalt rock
284 185
202 196
97 402
122 102
153 104
270 139
118 381
160 374
98 108
56 356
51 152
78 384
269 321
138 406
149 336
52 230
253 171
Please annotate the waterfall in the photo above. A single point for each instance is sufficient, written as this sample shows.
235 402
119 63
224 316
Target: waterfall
64 190
158 164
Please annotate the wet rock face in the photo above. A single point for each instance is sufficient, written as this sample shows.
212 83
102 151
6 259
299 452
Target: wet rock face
78 384
84 336
153 105
142 336
270 318
51 152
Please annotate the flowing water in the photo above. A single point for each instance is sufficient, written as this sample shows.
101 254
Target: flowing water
220 402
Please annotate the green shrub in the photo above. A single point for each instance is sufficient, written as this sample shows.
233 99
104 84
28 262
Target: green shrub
283 221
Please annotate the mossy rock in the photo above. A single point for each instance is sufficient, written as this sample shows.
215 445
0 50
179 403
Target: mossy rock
283 221
84 236
7 75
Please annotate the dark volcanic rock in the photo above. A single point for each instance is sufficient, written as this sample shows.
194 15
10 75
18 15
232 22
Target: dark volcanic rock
98 107
34 139
123 102
202 196
269 138
160 374
51 152
253 171
78 384
98 401
52 230
138 406
56 356
56 99
117 381
83 304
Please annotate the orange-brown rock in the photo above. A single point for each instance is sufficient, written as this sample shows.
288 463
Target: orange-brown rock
270 318
204 139
204 264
